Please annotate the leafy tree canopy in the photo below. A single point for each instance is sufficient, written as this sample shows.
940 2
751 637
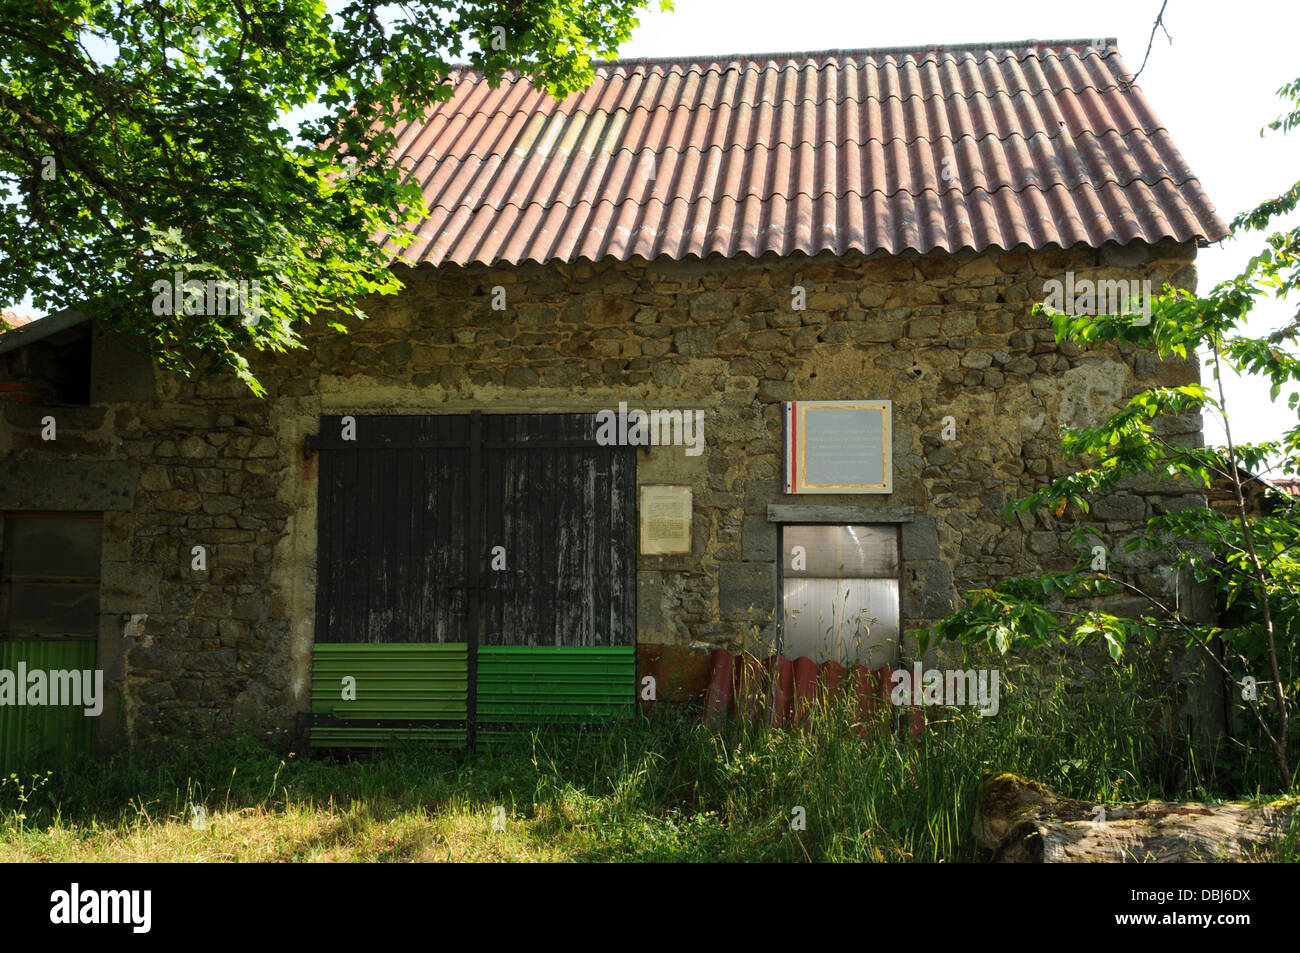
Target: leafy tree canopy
145 139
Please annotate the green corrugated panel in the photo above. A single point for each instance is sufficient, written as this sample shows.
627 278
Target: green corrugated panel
361 736
395 681
38 737
523 684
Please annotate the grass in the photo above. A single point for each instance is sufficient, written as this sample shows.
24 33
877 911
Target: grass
657 789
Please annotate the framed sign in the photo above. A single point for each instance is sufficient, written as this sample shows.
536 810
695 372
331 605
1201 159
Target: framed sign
665 513
839 446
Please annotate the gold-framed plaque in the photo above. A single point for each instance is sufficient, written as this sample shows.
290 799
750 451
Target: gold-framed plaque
839 446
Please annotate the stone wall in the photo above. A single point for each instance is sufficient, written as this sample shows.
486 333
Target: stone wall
201 462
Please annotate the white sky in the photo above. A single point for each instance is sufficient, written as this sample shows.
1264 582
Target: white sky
1214 87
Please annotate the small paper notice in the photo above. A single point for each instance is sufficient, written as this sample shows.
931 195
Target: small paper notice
665 519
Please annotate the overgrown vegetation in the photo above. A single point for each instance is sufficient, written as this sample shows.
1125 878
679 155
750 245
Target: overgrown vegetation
667 788
1249 559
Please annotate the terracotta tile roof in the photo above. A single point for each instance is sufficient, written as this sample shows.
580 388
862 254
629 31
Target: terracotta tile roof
11 320
1288 485
1033 143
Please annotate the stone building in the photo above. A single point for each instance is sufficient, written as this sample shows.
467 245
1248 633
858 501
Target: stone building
425 505
1262 496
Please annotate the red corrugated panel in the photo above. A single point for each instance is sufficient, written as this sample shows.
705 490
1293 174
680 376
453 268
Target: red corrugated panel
781 691
717 697
862 150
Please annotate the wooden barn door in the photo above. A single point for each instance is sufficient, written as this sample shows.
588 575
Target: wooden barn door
49 622
558 626
472 572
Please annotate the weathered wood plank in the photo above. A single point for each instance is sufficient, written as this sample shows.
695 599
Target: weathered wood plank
399 548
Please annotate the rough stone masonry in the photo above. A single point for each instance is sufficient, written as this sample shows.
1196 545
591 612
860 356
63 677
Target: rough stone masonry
174 463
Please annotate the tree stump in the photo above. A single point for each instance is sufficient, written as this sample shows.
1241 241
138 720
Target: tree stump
1021 821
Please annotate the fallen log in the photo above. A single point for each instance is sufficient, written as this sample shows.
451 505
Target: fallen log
1021 821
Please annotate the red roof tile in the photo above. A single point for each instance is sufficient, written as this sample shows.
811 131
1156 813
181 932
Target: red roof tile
1288 485
964 147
